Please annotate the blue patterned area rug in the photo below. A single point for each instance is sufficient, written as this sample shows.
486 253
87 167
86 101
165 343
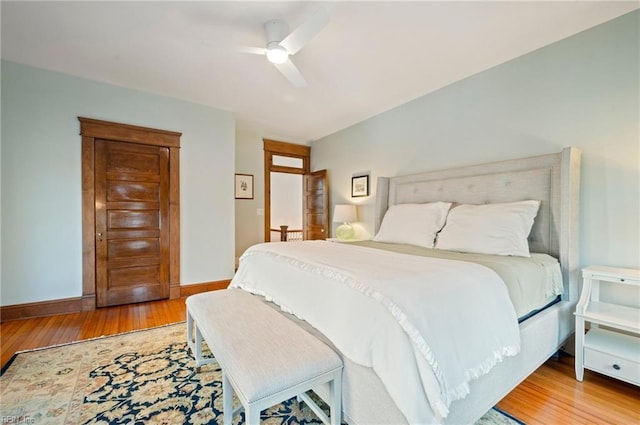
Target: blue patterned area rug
144 377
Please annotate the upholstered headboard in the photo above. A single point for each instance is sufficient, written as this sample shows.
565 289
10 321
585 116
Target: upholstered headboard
552 179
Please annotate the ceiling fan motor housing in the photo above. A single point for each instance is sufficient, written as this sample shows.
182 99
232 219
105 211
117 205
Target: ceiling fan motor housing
275 30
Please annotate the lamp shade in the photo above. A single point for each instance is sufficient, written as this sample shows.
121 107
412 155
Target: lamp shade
345 213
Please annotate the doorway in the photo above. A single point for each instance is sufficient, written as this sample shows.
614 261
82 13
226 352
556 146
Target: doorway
286 207
131 214
289 163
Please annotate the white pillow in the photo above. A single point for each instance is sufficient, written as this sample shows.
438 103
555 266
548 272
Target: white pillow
413 224
500 229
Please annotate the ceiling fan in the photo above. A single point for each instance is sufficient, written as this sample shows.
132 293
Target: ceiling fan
281 45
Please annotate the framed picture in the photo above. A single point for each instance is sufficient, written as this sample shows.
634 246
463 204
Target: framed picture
244 186
359 186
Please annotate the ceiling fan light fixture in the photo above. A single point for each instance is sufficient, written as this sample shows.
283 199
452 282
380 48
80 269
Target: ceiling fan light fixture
276 53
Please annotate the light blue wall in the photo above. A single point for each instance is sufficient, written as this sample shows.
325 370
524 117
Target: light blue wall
582 91
250 160
41 179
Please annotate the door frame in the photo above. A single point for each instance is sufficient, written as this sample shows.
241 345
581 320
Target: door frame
275 148
92 129
325 204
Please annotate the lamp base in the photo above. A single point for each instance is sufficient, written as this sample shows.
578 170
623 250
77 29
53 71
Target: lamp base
344 231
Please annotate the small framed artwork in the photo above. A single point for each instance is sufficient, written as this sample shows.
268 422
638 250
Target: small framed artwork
359 186
244 186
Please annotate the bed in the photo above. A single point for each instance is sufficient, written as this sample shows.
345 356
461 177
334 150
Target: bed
397 365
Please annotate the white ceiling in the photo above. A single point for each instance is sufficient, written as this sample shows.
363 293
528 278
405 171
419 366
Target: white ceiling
371 57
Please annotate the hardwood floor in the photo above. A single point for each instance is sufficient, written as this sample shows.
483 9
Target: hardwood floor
551 395
16 335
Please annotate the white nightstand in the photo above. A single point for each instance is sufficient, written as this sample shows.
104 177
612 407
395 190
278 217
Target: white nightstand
603 350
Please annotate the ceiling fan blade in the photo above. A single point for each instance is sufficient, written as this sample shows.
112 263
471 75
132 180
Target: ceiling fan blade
252 50
289 70
305 32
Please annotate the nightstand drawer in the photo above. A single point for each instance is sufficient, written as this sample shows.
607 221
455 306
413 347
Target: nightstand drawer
611 365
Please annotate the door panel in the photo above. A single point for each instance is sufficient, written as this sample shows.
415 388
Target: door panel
133 191
131 276
316 205
133 161
315 200
129 218
132 205
131 248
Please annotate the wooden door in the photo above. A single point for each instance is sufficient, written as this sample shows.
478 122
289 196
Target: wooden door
315 205
132 222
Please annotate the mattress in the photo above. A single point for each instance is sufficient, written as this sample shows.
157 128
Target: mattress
532 282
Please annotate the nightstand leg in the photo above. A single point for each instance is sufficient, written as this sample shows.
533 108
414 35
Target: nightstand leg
579 349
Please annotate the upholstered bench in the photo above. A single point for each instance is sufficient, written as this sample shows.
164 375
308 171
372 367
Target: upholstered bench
265 357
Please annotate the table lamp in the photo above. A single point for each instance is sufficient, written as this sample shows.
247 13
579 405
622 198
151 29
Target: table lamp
345 214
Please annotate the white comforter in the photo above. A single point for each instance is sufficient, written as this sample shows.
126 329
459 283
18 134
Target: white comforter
426 326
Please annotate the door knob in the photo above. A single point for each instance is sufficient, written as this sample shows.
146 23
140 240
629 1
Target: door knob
99 236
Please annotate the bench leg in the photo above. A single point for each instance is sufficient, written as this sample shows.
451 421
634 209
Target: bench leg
227 400
251 416
335 407
189 330
192 343
198 353
195 343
